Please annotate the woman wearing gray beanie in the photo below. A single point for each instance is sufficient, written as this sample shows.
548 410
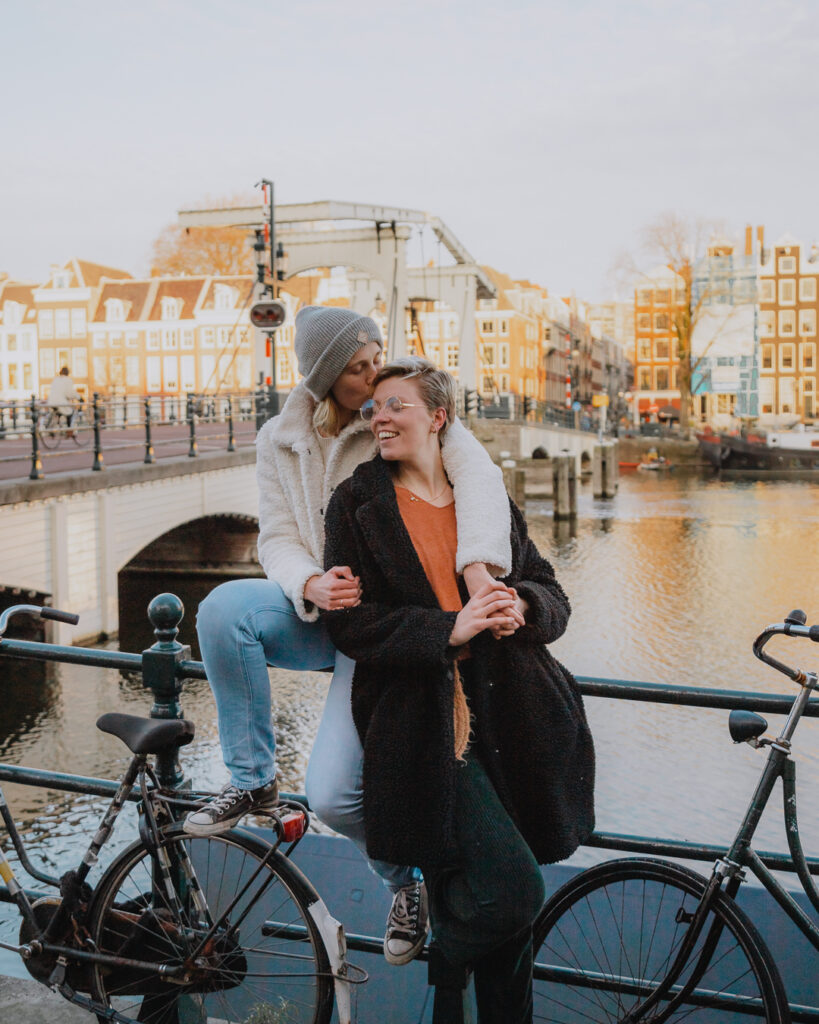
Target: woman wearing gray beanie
245 625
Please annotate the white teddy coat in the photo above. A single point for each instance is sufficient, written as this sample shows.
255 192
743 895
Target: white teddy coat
295 488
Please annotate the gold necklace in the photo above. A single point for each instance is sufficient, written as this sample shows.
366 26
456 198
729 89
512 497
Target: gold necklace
429 501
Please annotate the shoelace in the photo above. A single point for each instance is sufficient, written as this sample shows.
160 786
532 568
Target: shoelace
403 915
225 800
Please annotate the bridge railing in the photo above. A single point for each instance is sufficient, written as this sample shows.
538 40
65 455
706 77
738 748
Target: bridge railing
171 424
165 666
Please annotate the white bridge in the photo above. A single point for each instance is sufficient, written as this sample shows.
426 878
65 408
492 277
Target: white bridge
73 538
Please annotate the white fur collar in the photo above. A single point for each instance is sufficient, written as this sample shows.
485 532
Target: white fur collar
293 427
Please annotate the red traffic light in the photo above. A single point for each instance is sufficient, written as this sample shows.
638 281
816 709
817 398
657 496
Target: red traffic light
268 316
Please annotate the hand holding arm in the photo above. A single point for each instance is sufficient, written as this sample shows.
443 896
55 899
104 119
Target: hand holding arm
337 588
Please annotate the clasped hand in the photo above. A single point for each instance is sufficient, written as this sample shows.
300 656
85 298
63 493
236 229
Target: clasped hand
337 588
493 606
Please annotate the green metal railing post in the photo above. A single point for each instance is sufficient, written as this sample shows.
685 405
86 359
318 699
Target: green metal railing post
95 405
159 673
191 417
36 465
231 442
149 448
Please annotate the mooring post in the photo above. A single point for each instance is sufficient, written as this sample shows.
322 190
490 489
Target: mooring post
564 486
36 472
191 417
610 469
149 448
231 441
159 674
514 480
96 414
598 470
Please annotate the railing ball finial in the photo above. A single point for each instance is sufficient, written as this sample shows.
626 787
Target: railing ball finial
165 612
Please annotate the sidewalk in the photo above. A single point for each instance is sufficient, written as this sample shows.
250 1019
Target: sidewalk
28 1002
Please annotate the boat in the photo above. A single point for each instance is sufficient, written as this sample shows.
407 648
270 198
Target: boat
654 462
783 452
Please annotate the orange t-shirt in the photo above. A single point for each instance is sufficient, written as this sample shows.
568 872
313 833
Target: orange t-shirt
434 536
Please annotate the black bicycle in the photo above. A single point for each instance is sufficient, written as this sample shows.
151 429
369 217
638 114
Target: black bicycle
645 940
179 928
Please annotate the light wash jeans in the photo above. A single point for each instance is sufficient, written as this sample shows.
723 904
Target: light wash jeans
245 625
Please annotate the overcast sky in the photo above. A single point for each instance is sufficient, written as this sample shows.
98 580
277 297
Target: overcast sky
544 134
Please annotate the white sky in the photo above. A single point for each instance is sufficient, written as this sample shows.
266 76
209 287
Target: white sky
544 134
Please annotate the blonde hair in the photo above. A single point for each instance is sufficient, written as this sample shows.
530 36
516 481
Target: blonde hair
437 387
328 418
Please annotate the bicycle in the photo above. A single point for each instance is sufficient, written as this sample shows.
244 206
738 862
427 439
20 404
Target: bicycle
221 928
54 426
646 940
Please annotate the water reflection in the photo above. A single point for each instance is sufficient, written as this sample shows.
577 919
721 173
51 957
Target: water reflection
669 582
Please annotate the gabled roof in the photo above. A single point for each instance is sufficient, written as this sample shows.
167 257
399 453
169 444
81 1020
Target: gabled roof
17 291
88 275
786 241
134 294
243 283
188 289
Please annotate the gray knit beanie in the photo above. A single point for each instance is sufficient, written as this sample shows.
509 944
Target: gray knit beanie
327 337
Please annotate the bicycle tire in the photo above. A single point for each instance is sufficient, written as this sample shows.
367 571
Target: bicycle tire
51 430
623 921
284 976
81 429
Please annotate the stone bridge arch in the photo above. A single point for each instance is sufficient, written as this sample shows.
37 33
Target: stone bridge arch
188 560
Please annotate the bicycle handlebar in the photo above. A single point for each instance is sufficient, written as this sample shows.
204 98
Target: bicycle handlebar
36 610
794 625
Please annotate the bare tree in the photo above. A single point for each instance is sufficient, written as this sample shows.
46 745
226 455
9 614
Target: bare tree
178 250
679 243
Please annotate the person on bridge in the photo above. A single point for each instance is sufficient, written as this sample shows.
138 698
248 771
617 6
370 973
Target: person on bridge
478 761
245 625
62 395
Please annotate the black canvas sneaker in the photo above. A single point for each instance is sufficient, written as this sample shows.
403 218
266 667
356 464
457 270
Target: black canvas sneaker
407 924
230 806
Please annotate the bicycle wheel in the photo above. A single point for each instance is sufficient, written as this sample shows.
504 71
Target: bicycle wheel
150 912
51 430
623 923
81 429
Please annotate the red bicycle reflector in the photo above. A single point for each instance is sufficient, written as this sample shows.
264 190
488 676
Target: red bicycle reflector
294 825
268 316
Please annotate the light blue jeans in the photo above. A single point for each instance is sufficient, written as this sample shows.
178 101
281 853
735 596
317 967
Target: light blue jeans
245 625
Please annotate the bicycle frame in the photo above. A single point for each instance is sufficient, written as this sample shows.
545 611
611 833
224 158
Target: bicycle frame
731 868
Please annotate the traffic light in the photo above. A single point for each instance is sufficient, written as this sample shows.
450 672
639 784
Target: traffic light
528 406
269 315
472 398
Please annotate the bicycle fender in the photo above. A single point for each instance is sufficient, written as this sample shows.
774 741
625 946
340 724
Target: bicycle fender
335 942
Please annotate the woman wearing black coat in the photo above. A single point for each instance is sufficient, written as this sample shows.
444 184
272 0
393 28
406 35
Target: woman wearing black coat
478 761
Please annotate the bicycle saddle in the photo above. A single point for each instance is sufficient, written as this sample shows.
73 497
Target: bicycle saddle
745 725
147 735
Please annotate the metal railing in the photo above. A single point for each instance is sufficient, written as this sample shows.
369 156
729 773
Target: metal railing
165 666
143 423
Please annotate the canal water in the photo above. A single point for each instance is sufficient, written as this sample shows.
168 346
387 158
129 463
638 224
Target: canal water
669 582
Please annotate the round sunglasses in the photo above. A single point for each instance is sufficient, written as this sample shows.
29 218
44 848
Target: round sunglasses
393 404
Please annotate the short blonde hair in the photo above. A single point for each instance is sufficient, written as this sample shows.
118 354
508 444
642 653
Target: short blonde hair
437 387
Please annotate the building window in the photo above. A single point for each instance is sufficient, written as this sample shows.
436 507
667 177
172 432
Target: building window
504 354
767 292
808 399
114 310
132 339
431 327
767 323
223 336
661 348
787 394
643 321
808 355
675 373
28 376
78 323
170 308
188 367
187 338
644 350
62 323
787 293
644 379
767 357
661 377
11 342
224 297
153 374
79 363
489 355
662 297
787 322
766 395
116 339
503 382
451 357
170 371
46 363
504 327
807 322
12 375
207 337
170 338
787 264
98 340
644 297
132 371
807 289
786 357
487 326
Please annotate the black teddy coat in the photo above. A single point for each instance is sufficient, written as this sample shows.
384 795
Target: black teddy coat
533 738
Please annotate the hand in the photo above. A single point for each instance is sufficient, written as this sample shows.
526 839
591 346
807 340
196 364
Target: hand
493 605
476 575
518 613
337 588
